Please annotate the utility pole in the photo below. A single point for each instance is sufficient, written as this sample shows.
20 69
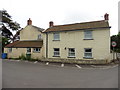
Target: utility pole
114 45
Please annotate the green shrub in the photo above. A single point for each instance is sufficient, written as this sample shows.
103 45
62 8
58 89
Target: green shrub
22 57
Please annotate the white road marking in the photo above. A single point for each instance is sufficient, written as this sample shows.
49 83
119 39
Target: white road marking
78 66
93 65
62 65
35 61
47 63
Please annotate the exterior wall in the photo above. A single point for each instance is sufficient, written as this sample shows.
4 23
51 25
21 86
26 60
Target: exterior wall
29 33
44 45
16 52
75 39
37 55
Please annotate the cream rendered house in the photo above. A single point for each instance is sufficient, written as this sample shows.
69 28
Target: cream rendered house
30 43
87 42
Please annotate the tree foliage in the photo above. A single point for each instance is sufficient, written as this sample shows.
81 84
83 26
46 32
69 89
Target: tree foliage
116 38
8 25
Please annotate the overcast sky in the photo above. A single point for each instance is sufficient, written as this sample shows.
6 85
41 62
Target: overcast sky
62 11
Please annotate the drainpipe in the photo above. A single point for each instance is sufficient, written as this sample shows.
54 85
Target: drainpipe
46 45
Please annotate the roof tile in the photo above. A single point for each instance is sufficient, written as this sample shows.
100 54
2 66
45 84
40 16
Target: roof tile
25 44
79 26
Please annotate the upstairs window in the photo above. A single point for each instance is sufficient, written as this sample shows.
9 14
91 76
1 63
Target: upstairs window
39 37
88 34
56 36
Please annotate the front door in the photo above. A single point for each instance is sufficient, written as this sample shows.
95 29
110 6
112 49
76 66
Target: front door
28 50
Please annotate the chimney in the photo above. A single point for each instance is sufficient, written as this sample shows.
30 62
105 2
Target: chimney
51 24
106 17
29 22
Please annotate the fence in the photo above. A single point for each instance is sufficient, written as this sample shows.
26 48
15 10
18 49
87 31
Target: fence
118 56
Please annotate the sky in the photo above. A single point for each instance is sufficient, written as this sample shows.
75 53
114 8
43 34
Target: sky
62 11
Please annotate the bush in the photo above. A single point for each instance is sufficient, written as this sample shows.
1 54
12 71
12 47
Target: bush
25 57
22 57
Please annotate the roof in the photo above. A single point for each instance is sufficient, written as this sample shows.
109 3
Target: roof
79 26
39 29
25 44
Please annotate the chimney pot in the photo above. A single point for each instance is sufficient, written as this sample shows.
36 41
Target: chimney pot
106 16
51 24
29 22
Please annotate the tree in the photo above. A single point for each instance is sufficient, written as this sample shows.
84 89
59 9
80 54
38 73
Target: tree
116 38
5 41
8 25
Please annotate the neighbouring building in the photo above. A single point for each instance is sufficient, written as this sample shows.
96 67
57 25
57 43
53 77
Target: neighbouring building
87 42
30 43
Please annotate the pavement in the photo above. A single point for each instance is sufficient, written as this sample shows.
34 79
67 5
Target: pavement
25 74
80 66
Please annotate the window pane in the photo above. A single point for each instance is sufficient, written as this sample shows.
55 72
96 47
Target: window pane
87 50
39 36
88 34
88 53
28 49
71 52
36 50
56 49
56 36
56 52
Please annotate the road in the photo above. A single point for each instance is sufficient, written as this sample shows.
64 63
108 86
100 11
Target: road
19 74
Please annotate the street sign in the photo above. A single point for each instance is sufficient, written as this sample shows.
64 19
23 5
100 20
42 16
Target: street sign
114 44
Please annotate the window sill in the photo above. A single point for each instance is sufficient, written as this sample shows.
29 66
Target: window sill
88 39
71 57
56 40
36 52
88 58
56 56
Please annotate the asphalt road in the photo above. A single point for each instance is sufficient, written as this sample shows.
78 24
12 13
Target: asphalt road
18 74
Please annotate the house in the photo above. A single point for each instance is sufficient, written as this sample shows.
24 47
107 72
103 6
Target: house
30 43
87 42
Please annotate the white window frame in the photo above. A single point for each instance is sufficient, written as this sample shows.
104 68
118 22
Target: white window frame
36 50
9 50
70 53
39 36
56 36
28 50
87 54
56 53
88 34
